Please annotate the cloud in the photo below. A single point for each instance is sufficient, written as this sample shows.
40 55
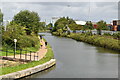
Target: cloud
60 0
75 10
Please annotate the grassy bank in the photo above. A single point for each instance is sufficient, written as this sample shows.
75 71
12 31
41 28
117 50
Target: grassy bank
49 55
97 40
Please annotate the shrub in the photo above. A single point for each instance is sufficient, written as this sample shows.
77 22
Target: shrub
15 31
107 34
116 35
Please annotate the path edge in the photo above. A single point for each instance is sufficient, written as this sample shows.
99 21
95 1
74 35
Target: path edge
29 71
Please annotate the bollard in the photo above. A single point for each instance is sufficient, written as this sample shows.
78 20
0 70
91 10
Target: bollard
14 53
25 56
20 53
30 55
37 55
34 56
6 52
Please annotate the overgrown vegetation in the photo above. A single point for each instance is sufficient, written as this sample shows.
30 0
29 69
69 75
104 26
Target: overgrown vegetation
1 17
15 31
97 40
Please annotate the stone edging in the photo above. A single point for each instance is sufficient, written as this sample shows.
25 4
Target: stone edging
29 71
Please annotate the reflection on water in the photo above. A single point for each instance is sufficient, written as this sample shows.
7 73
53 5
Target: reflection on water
104 50
42 73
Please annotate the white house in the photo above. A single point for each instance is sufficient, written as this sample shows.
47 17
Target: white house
80 22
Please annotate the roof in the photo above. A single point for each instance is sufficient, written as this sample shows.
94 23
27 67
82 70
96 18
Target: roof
80 22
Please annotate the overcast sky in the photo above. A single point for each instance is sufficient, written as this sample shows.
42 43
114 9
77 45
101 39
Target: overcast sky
84 11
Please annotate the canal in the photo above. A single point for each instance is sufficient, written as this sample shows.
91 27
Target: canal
79 60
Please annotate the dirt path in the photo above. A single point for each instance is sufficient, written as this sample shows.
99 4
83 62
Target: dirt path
41 53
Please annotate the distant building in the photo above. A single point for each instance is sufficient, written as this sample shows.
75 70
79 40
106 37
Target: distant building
94 25
80 22
116 25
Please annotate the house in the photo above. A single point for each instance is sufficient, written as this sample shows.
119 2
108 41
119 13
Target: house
94 25
116 25
80 22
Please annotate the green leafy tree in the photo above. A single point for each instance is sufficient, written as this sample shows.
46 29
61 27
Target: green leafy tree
42 26
1 17
101 25
88 25
28 19
63 22
16 31
50 25
13 31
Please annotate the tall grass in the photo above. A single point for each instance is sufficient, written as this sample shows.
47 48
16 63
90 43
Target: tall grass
97 40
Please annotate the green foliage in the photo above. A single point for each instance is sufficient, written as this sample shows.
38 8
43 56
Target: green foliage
116 35
88 25
50 25
107 34
94 40
42 26
63 23
15 31
1 17
49 55
98 40
101 25
28 19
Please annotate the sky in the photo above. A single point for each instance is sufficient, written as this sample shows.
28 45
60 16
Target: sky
77 10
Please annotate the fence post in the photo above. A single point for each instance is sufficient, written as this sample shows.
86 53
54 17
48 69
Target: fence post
25 56
14 53
6 52
20 53
30 55
37 55
34 56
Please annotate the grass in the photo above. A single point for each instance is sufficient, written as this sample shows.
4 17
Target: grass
96 40
10 52
49 55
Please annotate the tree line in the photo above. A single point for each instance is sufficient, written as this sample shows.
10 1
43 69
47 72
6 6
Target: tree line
24 27
65 22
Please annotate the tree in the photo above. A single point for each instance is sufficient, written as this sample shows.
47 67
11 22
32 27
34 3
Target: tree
63 22
49 26
101 25
13 31
42 25
28 19
1 17
88 25
16 31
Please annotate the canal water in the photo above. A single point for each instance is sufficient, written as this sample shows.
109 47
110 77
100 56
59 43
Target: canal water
79 60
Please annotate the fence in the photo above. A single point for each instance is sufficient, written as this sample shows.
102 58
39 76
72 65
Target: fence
20 54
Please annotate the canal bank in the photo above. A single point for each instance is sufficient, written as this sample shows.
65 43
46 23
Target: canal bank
97 40
29 71
46 61
75 59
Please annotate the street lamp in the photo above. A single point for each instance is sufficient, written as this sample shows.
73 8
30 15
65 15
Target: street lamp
15 40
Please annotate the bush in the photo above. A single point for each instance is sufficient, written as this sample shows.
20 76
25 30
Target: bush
116 35
95 40
15 31
107 34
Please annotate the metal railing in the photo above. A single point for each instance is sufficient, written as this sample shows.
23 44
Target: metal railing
24 55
